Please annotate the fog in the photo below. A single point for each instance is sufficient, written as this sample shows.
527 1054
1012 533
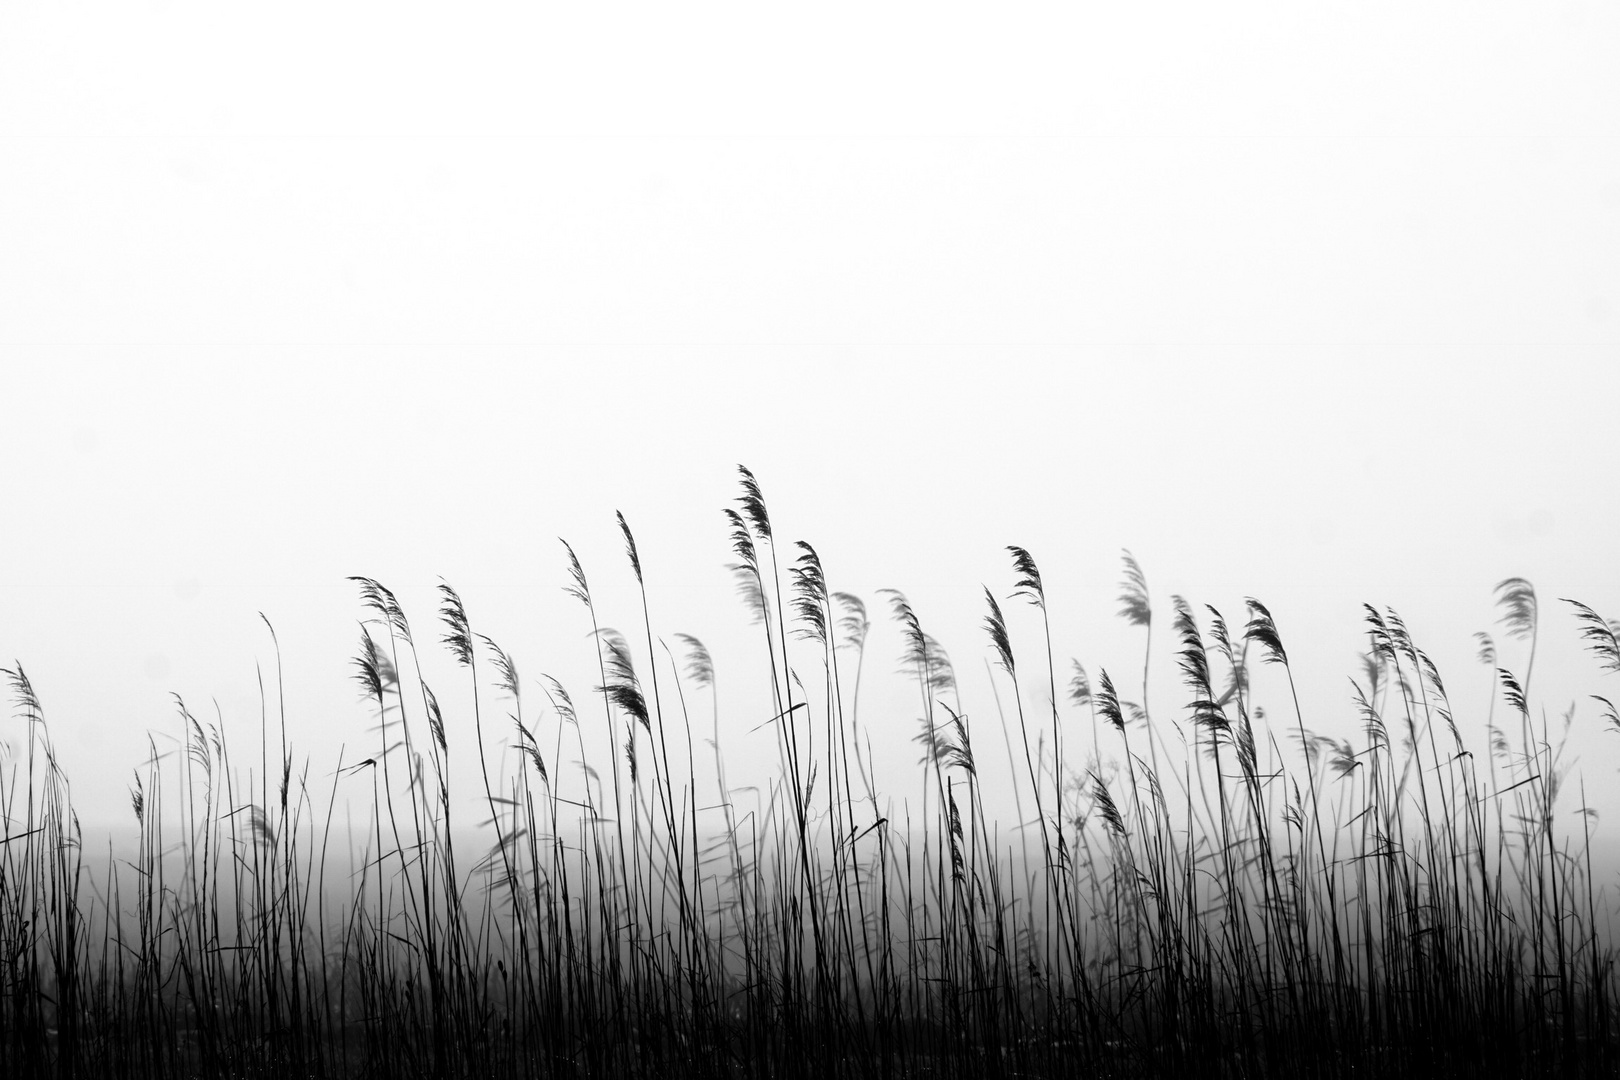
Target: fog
164 512
1312 307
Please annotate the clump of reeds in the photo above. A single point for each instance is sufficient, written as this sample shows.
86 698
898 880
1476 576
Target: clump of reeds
1212 893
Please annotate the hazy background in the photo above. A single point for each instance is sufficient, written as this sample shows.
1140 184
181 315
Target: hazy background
154 509
1318 306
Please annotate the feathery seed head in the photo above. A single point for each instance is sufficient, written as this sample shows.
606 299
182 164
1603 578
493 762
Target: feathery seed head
914 652
368 666
259 826
386 606
1108 701
997 627
1372 666
560 700
1343 760
936 747
699 664
1512 691
853 622
960 753
32 712
1106 806
753 504
1517 599
810 594
1399 637
1079 685
1371 722
577 587
1133 596
937 669
622 688
746 571
454 614
1218 631
1194 663
1263 630
505 670
630 547
435 717
1193 660
1426 666
1378 631
1602 638
1028 584
531 749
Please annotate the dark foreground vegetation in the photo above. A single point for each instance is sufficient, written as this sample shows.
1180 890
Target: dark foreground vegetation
1208 890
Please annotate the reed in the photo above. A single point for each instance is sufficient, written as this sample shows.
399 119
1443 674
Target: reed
1243 897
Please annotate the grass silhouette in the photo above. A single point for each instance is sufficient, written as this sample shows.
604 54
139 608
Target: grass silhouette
1213 894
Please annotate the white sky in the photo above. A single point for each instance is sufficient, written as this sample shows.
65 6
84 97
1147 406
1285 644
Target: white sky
1318 304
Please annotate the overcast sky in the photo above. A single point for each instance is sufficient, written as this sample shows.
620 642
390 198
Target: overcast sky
1314 304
